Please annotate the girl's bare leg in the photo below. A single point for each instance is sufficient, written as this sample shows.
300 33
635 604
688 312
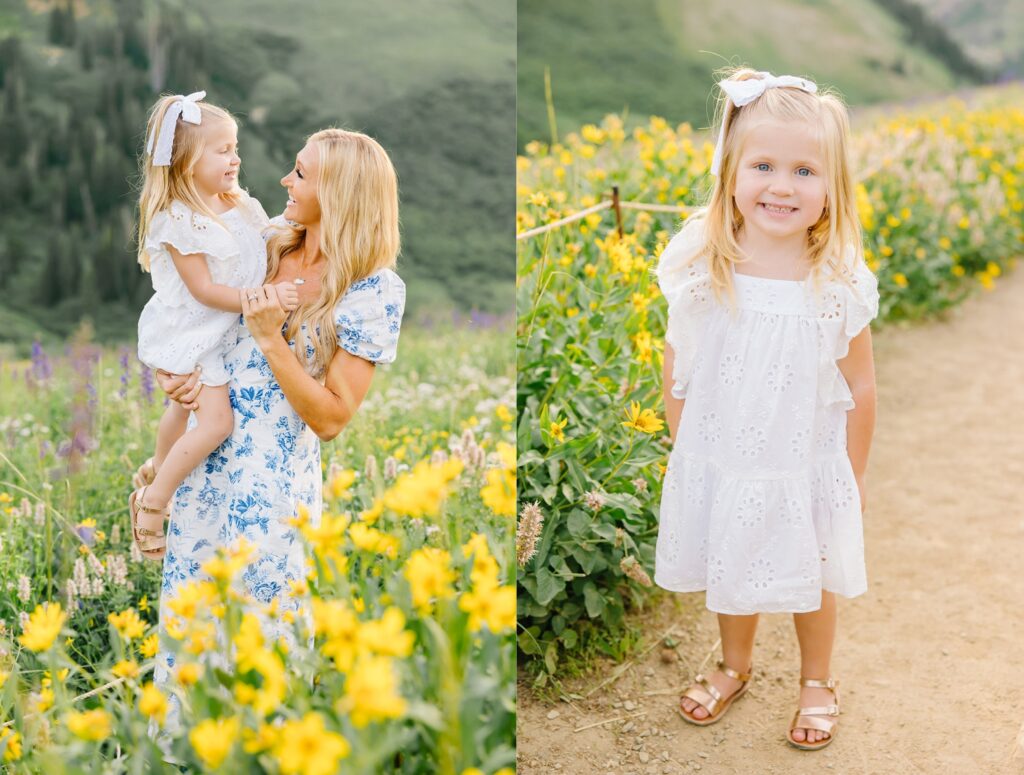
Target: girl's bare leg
172 427
816 632
214 424
737 652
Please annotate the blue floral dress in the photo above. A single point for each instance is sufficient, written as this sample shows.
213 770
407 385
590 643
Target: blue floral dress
268 466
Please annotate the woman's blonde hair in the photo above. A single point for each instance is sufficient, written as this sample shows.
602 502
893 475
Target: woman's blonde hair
358 193
163 185
837 232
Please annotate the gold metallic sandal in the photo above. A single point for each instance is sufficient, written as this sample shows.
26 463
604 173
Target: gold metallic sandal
144 475
152 543
808 718
704 693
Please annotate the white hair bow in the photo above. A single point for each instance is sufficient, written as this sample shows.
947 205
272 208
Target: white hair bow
185 107
742 93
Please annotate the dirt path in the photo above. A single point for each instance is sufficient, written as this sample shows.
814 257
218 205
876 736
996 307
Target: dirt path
931 659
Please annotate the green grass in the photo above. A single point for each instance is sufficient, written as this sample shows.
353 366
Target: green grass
657 57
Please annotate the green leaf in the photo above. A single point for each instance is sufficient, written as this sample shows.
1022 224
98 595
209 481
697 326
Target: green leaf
593 600
551 656
548 586
569 638
579 523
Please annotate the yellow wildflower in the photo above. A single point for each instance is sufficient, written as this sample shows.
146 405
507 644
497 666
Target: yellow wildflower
126 668
11 741
43 701
341 483
259 740
189 673
557 430
43 627
430 577
370 540
490 604
387 636
644 421
335 620
306 747
128 624
420 492
372 514
213 740
153 703
150 646
370 692
90 725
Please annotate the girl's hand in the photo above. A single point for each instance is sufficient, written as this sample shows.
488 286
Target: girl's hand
287 295
263 313
183 388
862 489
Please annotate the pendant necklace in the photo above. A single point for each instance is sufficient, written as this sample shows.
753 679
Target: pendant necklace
299 280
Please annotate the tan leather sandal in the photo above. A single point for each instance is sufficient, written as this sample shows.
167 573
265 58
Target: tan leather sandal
809 718
152 543
704 693
145 474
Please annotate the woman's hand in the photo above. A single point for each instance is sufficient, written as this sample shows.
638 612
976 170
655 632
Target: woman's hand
183 388
263 313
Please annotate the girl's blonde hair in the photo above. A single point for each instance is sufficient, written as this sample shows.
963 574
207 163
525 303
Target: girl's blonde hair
837 232
163 185
358 193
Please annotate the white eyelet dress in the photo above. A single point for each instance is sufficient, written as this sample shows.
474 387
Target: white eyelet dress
176 331
759 503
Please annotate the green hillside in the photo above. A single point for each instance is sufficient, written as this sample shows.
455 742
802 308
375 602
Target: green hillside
990 31
658 56
434 83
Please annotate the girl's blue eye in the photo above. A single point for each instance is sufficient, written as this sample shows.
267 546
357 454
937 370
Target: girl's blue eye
804 172
762 167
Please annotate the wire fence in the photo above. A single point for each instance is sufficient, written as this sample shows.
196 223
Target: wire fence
612 201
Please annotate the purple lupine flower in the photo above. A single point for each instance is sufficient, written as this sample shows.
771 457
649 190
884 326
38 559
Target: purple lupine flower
125 372
41 369
84 357
146 382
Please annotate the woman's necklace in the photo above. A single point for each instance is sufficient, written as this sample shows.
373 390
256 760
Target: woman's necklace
299 280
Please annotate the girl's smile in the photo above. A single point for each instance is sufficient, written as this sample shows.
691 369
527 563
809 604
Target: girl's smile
780 185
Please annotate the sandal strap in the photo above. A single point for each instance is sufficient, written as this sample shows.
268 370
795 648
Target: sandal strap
813 722
143 531
814 683
820 710
734 674
704 694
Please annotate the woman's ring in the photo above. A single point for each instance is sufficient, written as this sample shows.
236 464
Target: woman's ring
251 297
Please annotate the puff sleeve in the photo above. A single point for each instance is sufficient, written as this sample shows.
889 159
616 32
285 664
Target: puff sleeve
369 317
686 286
187 232
846 309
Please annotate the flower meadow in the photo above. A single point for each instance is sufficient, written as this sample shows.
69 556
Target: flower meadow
406 663
939 197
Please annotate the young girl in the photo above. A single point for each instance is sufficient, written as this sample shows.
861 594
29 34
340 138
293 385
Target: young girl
769 391
199 237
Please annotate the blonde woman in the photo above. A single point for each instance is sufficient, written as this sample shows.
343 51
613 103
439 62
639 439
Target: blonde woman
295 378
